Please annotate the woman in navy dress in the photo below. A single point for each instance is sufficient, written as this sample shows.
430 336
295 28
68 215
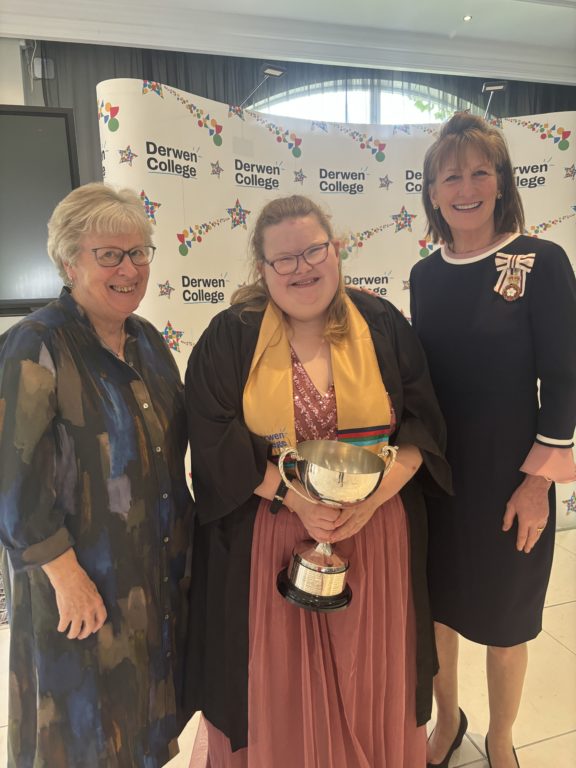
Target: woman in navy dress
492 308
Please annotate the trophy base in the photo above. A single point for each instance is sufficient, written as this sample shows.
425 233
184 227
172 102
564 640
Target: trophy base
310 602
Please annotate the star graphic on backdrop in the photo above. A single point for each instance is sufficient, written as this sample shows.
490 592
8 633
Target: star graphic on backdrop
570 503
405 285
403 220
166 289
234 110
238 215
402 129
570 173
151 86
321 125
216 169
149 206
299 176
385 182
172 336
126 155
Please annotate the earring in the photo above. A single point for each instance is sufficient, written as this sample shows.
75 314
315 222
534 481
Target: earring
436 207
499 196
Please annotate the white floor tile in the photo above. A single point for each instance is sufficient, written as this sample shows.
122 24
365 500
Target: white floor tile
3 746
556 753
548 706
560 623
562 587
185 742
466 754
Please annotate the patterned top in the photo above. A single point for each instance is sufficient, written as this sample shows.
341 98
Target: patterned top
315 414
91 456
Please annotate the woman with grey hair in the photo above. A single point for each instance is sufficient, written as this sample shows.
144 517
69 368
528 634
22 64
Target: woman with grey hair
94 504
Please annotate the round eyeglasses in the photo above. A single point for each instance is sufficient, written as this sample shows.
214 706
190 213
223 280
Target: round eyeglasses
108 256
287 265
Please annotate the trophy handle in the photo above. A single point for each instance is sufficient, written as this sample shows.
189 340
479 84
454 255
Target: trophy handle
388 455
281 459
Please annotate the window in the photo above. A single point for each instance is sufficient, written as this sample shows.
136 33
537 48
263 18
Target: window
366 101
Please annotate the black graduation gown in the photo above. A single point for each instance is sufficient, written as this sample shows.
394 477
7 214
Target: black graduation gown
229 462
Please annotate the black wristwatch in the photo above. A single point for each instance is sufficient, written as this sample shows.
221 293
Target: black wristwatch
278 499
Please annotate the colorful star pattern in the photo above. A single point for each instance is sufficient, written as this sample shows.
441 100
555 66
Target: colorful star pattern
401 129
238 215
203 118
107 113
426 247
356 240
403 220
299 176
151 86
497 122
195 234
149 206
375 146
538 229
166 289
283 136
558 135
172 336
127 156
216 169
320 125
235 111
570 503
385 182
570 172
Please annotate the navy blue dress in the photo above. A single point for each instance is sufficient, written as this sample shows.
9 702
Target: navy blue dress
486 356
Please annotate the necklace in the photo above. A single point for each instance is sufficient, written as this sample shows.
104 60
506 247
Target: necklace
117 352
493 242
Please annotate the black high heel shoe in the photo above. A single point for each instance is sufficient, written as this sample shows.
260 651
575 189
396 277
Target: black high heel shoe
455 744
488 753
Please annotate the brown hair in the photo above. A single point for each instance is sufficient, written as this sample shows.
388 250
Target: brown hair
462 131
255 295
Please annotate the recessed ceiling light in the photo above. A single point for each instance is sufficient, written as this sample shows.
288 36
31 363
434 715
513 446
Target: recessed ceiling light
467 18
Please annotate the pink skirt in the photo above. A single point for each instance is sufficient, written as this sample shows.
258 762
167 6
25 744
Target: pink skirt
329 690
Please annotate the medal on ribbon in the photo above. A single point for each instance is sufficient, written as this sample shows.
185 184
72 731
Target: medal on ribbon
513 269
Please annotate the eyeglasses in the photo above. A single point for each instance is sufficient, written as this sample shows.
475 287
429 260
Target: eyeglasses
287 265
140 255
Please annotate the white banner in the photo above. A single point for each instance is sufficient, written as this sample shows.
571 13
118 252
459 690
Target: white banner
205 169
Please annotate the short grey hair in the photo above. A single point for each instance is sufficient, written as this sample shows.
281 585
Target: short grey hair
93 208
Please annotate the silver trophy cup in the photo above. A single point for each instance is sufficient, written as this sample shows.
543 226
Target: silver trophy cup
337 474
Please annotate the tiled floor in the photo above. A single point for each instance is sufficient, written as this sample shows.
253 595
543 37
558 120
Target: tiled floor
545 733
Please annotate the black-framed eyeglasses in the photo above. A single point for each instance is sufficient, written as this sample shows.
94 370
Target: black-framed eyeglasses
108 256
287 265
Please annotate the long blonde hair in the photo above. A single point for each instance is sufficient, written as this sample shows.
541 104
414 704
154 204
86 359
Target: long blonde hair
254 296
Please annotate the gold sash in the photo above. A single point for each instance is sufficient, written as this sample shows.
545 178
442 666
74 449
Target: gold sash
361 399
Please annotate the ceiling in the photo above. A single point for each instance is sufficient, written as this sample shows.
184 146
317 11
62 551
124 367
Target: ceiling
506 39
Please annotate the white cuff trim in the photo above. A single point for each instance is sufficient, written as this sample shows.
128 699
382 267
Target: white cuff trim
553 441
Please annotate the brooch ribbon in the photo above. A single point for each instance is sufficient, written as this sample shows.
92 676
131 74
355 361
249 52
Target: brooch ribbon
513 268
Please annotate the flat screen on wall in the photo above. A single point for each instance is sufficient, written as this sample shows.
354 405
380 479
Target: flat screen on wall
38 167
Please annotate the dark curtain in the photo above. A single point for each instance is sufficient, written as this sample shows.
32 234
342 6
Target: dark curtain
79 68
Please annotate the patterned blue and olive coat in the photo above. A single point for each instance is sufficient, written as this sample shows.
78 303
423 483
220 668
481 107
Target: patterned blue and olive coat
92 456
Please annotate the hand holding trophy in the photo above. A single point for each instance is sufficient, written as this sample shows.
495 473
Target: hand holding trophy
339 475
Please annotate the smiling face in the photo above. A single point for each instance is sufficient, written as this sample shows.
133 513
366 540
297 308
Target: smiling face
306 294
108 294
465 192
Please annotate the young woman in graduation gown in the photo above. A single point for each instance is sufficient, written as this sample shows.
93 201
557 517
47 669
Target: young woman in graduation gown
296 358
